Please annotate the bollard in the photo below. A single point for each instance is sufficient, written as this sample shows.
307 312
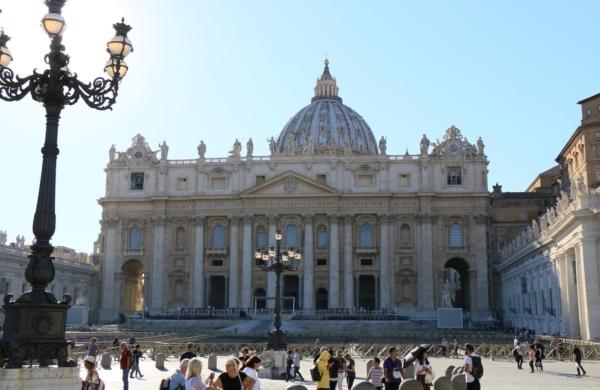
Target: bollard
106 360
408 372
411 384
449 371
296 387
364 386
160 361
442 383
212 362
458 382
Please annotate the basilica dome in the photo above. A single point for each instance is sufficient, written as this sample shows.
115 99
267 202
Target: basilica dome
326 125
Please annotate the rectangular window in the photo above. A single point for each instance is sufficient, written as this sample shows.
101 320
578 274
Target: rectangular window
454 176
182 183
366 262
404 180
322 179
136 182
364 180
218 183
523 285
260 179
217 263
321 262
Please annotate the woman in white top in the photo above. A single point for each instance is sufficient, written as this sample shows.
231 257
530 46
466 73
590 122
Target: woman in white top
193 381
252 365
423 371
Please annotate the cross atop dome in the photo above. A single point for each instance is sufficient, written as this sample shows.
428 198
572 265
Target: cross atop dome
326 88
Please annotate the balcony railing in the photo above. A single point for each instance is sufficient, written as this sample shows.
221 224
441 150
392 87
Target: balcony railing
216 250
366 249
134 251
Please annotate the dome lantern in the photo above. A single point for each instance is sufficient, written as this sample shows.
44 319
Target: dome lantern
326 87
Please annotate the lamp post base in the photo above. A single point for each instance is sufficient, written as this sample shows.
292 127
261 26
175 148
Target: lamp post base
277 340
34 331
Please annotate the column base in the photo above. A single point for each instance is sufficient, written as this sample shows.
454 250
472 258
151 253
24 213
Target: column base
64 378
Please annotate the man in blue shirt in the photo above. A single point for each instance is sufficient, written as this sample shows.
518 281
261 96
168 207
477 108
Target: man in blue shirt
392 370
178 378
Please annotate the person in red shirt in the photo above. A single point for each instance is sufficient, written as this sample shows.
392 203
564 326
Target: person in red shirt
126 362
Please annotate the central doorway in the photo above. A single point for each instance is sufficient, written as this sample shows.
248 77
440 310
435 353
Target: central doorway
291 288
216 297
456 271
366 292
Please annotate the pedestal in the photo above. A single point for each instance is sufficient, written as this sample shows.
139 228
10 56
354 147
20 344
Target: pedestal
64 378
273 364
449 318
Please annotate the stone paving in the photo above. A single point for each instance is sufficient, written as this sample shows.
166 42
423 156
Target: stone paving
499 374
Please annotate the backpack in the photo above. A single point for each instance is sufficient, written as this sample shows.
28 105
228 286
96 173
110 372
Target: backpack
315 374
477 369
164 384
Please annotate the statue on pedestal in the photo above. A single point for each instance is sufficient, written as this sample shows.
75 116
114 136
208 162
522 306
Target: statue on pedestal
201 150
480 147
424 145
249 148
237 149
164 150
383 145
112 153
272 145
3 237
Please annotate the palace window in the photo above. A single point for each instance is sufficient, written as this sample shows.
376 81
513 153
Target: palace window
291 235
322 179
218 183
218 236
404 180
217 263
322 262
366 235
136 181
180 239
134 241
454 176
261 237
366 262
365 180
260 179
456 236
405 236
321 237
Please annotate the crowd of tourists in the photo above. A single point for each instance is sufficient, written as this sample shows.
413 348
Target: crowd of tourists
536 353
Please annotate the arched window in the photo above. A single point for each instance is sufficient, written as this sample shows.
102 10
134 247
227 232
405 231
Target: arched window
135 238
456 236
218 237
366 235
405 241
261 237
180 238
291 235
321 237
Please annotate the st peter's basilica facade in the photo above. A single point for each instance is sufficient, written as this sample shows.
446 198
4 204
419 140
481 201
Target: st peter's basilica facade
377 231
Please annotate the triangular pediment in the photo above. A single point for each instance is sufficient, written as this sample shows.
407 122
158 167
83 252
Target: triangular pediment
291 184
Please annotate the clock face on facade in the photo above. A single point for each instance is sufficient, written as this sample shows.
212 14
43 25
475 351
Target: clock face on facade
138 155
453 148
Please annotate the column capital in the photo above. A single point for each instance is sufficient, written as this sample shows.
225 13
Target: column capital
111 222
198 220
158 221
348 219
480 218
272 219
333 218
426 218
385 218
234 219
248 219
308 219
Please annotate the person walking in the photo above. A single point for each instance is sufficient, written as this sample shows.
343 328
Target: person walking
177 381
538 357
116 342
322 363
93 347
244 356
333 366
341 369
423 372
376 374
455 352
232 378
472 380
125 362
297 359
444 347
289 363
189 352
577 357
392 370
531 354
92 380
350 370
252 365
137 354
517 353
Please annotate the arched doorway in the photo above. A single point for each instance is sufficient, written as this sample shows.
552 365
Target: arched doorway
456 271
260 293
291 288
133 284
321 299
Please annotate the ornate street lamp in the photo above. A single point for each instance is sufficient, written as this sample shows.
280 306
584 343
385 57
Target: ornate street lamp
34 325
277 260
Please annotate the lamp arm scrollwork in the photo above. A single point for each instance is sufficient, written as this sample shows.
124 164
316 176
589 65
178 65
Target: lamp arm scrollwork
14 88
100 94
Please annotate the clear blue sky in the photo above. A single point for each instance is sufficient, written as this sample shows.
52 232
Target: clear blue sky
509 71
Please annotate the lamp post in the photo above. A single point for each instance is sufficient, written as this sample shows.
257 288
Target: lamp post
34 325
277 260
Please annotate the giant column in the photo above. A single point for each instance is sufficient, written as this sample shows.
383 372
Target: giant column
590 287
198 268
247 261
334 263
482 280
309 266
425 266
108 311
158 262
384 262
271 275
234 259
348 269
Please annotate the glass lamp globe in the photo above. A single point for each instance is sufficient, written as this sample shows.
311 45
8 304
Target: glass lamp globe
298 256
272 252
113 65
291 252
119 46
258 255
265 257
284 258
53 24
5 57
